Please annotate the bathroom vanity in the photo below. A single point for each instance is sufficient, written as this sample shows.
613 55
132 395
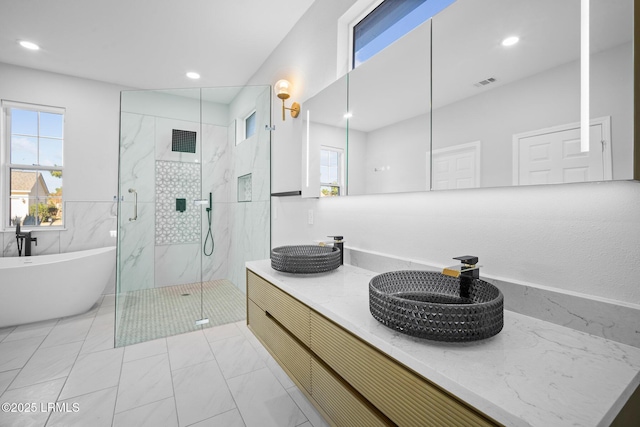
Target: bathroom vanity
356 371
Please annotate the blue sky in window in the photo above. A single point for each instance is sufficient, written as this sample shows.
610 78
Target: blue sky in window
417 16
25 148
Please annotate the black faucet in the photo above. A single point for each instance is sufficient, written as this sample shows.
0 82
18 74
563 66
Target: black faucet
339 243
24 240
467 272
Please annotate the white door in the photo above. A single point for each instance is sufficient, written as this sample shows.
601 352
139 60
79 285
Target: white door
553 156
456 167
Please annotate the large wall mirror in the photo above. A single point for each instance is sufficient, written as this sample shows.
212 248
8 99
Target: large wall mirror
449 106
510 115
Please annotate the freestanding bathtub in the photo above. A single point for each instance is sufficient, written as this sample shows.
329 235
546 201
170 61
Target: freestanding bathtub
50 286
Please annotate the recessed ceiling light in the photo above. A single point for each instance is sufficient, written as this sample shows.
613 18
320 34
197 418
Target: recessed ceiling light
510 41
29 45
193 75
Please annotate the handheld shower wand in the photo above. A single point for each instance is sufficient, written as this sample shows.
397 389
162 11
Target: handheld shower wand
209 234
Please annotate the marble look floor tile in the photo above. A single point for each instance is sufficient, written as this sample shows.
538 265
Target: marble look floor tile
221 332
108 305
30 330
236 356
200 392
145 349
93 409
100 337
307 408
263 402
255 342
278 372
93 372
47 364
39 394
188 349
228 419
89 313
306 424
15 354
108 300
157 414
67 331
5 379
144 381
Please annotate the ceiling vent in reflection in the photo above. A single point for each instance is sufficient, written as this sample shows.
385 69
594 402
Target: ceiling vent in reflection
183 141
485 82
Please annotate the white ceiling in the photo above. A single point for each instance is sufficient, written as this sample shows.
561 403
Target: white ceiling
147 44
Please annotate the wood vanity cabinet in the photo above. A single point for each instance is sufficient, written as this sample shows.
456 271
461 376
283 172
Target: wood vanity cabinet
350 382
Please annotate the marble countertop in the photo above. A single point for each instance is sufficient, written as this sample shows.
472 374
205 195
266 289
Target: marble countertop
533 373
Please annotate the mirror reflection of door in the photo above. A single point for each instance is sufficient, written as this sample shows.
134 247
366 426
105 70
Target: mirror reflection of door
456 167
553 155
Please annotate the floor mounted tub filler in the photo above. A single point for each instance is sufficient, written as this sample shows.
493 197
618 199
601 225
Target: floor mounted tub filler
50 286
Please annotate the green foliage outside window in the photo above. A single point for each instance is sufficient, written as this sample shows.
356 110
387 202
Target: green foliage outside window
44 212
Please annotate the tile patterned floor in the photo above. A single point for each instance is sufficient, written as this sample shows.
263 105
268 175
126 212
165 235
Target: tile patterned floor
159 312
68 374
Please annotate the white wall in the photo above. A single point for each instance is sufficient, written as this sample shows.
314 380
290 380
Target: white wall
577 237
401 149
91 125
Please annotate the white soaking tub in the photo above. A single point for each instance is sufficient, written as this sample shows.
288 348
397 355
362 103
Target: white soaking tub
46 287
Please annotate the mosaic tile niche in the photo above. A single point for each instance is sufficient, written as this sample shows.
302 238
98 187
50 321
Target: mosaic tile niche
177 180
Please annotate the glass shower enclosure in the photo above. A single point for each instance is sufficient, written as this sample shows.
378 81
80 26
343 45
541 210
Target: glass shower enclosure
193 207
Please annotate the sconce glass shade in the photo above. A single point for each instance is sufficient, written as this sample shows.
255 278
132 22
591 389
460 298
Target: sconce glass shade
282 89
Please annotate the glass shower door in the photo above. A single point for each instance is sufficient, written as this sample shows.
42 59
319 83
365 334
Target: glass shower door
160 215
194 206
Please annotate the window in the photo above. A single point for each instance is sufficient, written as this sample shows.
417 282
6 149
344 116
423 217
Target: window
250 125
389 21
33 142
331 171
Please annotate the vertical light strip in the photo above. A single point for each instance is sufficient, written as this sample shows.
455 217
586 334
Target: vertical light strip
584 76
308 121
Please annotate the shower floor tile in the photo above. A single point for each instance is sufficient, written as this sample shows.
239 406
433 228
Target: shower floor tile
160 312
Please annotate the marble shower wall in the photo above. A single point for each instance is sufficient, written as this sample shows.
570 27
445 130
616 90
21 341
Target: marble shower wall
137 167
251 228
168 248
216 178
166 245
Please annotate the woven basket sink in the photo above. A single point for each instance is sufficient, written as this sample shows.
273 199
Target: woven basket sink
427 304
305 259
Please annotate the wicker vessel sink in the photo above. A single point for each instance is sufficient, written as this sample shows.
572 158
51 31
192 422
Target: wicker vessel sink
428 305
305 259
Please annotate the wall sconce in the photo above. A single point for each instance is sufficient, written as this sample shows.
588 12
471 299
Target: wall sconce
281 89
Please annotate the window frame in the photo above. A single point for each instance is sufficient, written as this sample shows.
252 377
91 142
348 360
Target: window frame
360 10
241 126
253 113
7 166
351 33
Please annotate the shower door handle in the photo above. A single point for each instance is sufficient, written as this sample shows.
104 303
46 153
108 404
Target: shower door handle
135 204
